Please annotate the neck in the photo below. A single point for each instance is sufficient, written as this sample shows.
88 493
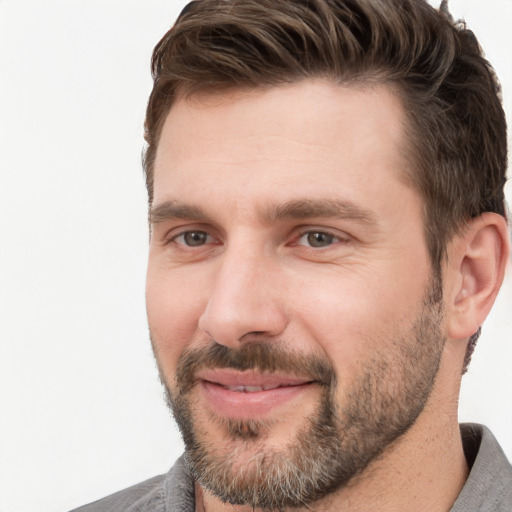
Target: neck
421 473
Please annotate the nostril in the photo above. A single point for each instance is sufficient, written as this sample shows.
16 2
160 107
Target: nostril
230 319
256 336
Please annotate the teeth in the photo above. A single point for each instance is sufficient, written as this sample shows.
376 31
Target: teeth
245 389
250 389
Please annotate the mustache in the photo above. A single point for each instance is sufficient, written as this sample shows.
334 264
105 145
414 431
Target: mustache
257 356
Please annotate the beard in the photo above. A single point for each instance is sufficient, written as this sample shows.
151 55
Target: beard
336 443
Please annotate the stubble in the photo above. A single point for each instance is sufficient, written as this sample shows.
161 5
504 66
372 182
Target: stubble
333 445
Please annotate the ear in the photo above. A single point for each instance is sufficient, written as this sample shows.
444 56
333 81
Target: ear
476 266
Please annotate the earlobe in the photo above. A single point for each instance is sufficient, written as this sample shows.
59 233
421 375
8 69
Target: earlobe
478 260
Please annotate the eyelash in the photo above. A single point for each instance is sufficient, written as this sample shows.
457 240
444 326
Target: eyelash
175 237
334 238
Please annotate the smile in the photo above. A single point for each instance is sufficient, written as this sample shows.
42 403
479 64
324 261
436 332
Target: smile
251 389
249 395
249 381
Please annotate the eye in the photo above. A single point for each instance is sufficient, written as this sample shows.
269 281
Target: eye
193 238
318 239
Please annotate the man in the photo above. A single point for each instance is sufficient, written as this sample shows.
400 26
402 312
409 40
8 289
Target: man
328 234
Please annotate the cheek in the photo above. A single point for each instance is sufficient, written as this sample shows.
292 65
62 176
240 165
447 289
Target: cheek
353 316
173 306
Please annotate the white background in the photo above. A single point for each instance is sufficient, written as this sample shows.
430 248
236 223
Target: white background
81 412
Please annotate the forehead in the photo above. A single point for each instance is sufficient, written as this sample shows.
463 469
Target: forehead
308 136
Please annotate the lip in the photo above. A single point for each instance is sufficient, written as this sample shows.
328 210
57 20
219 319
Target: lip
249 395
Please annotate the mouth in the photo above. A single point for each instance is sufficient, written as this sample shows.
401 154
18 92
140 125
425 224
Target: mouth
249 395
249 389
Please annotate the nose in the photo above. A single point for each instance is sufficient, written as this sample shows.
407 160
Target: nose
244 300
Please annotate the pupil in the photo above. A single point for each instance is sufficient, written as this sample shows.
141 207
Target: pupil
195 238
320 239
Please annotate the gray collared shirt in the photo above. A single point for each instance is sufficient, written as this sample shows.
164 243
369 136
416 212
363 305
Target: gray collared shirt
487 489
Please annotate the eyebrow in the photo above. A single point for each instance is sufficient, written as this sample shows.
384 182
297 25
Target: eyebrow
174 210
299 209
326 208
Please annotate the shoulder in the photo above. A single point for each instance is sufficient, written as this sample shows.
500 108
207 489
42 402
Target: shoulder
489 484
145 496
173 491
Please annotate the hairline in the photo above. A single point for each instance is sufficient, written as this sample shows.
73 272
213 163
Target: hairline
359 81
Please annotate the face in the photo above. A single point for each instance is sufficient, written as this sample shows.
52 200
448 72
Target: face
291 303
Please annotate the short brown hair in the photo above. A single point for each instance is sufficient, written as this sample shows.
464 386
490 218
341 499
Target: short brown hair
456 129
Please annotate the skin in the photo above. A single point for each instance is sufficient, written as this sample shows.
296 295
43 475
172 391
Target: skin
255 276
